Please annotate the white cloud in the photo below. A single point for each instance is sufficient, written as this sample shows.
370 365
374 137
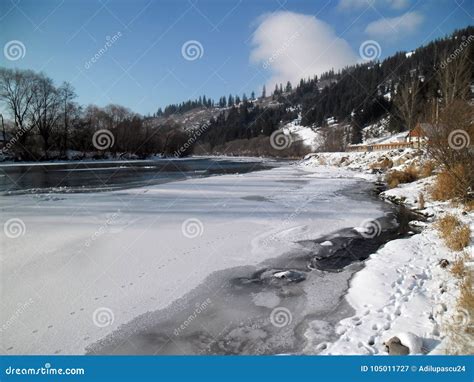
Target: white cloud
294 46
395 27
361 4
399 4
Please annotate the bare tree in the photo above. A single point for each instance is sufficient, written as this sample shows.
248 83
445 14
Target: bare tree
45 110
333 139
454 77
452 133
450 144
17 92
407 103
67 94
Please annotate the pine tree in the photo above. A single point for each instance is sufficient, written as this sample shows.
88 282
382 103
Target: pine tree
264 92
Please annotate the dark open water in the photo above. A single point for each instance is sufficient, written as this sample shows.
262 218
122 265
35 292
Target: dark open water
96 176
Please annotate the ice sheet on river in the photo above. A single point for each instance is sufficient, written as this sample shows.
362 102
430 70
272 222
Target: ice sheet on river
88 263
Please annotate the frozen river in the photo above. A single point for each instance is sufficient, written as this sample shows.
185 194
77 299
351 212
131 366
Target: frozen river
218 264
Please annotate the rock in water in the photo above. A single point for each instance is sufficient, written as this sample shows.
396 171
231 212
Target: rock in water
293 276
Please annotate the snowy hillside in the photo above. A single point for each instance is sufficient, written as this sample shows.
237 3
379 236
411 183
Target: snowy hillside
310 136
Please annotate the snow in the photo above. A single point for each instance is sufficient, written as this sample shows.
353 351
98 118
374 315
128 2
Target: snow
378 133
403 279
402 291
309 136
361 161
89 263
411 341
125 252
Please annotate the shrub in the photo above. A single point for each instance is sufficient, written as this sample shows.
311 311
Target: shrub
458 269
455 234
466 297
427 169
469 206
448 185
382 164
394 178
460 330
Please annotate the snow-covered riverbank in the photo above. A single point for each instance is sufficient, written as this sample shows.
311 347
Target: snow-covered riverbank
403 288
84 264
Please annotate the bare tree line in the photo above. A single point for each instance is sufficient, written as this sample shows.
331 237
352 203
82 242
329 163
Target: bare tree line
47 122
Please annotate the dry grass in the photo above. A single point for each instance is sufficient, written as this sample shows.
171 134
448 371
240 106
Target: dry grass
383 163
426 169
455 234
394 178
458 269
469 206
450 184
460 328
466 298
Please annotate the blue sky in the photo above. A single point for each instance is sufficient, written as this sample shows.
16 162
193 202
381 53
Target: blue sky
245 44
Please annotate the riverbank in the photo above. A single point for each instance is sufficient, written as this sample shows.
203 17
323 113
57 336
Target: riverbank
408 285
